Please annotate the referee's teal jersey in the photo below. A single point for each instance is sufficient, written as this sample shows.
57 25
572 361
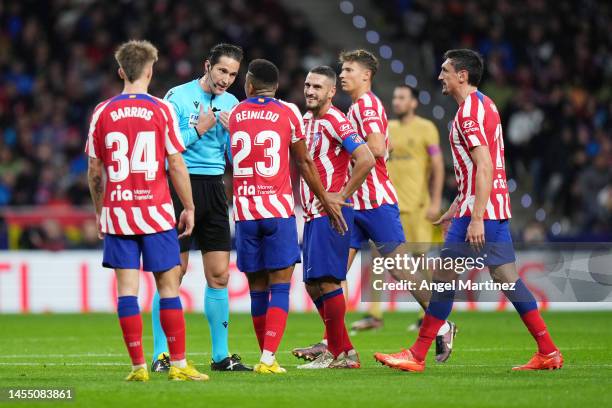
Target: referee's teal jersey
205 154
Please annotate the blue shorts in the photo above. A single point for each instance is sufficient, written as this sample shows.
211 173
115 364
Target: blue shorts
160 251
498 248
325 251
270 243
382 225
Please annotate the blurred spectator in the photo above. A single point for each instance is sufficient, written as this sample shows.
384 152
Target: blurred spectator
534 233
56 63
548 67
592 190
89 236
48 236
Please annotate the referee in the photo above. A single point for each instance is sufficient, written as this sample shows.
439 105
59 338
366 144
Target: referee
202 106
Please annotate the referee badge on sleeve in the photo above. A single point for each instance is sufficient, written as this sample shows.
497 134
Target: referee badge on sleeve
193 119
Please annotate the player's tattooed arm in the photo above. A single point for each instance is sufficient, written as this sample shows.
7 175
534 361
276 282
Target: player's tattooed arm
331 203
96 187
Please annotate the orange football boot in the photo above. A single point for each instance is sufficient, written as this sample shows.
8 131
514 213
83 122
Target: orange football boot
404 360
552 361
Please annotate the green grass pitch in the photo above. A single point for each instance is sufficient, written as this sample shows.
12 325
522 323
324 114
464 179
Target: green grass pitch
86 352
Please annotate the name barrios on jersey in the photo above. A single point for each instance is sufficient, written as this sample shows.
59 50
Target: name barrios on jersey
131 112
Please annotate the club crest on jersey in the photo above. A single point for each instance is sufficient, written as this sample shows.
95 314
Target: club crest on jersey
316 138
355 138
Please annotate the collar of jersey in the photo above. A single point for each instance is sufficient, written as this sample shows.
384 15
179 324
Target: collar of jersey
203 92
260 100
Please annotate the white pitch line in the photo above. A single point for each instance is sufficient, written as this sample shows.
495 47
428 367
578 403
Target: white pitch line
31 363
125 364
253 353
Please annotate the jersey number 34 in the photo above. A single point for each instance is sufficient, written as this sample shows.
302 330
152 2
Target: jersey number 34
143 158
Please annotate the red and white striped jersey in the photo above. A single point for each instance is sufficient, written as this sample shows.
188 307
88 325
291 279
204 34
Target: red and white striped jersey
477 123
368 116
262 131
133 134
325 140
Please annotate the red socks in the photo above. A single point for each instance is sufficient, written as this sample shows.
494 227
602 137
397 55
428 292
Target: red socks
173 322
132 335
276 316
259 324
427 334
276 320
536 326
334 311
131 326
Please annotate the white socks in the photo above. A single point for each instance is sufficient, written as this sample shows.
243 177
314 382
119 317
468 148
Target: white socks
179 363
267 357
444 329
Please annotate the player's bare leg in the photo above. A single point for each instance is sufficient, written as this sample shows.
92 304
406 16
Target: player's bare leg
548 356
184 263
427 274
373 318
369 321
313 351
216 268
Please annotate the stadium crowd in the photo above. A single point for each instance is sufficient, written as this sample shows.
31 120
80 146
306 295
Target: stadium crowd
549 70
56 62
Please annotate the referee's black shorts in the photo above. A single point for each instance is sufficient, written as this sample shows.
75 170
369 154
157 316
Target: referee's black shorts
211 230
